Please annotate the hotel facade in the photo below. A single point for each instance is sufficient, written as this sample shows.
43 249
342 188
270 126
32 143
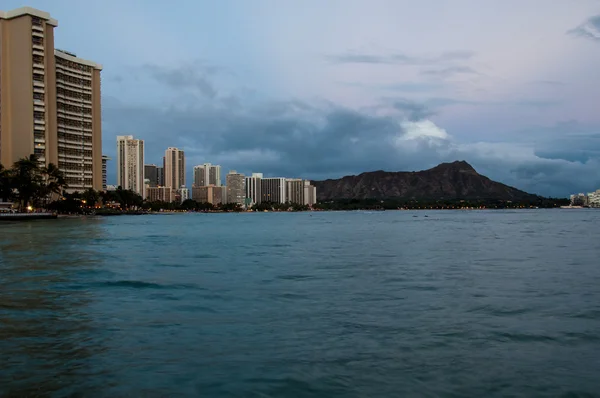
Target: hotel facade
49 100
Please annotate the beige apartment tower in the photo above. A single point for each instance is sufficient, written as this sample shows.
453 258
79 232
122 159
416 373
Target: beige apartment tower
174 168
49 100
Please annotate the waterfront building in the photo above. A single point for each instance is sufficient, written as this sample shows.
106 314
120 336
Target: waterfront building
162 194
235 188
209 194
310 193
580 199
151 173
130 164
207 174
105 160
252 188
273 190
294 190
49 100
174 164
593 198
184 194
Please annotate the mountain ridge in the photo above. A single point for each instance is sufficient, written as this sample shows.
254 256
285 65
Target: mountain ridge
446 181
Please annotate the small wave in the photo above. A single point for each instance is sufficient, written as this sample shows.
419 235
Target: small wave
145 285
523 337
295 277
290 296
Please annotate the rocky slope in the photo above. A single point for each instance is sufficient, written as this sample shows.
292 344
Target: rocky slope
456 180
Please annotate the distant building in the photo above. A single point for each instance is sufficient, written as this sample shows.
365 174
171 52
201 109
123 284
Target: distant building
162 194
207 174
174 168
209 194
151 173
294 190
310 193
160 176
235 188
273 190
184 194
130 164
105 160
579 200
252 188
111 187
593 198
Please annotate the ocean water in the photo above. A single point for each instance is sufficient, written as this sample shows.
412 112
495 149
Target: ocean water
346 304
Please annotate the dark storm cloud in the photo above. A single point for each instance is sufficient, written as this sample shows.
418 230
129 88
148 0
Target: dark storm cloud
590 29
353 57
319 139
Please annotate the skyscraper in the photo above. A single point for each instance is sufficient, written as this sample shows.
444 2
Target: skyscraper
130 164
252 187
310 193
151 173
235 188
207 174
174 168
49 100
294 190
273 190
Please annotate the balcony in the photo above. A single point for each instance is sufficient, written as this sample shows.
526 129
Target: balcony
37 83
39 47
37 28
37 32
38 51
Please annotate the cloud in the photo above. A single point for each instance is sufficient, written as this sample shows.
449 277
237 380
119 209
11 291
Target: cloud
187 77
354 57
450 71
318 139
590 29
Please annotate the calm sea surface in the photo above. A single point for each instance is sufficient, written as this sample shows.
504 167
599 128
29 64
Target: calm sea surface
348 304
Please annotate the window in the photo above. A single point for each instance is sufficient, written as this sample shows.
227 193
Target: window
38 96
37 115
37 40
36 21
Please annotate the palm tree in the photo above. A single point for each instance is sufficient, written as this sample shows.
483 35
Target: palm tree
6 189
27 180
54 180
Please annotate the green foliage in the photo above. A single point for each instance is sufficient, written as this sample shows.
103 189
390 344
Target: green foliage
28 182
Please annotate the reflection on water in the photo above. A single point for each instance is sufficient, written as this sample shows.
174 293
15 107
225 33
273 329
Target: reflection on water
45 329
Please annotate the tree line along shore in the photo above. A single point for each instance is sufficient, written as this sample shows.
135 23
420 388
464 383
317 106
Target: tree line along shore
32 187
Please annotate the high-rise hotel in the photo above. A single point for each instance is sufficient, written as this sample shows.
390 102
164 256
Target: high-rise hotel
49 100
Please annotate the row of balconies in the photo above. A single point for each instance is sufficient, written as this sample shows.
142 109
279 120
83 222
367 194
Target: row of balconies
74 72
74 102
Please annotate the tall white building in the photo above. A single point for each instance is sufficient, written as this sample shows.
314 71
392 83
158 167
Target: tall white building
174 168
252 187
130 164
207 174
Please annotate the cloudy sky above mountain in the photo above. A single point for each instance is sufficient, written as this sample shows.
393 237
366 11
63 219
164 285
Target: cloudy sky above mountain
320 89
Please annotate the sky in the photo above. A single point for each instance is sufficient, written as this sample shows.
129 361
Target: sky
322 89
